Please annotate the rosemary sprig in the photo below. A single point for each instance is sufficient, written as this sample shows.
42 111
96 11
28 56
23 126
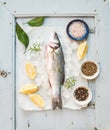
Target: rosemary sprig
70 82
35 47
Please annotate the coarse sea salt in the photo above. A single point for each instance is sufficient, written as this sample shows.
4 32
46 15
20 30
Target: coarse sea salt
77 29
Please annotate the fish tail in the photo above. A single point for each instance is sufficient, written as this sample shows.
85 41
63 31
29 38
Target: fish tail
57 102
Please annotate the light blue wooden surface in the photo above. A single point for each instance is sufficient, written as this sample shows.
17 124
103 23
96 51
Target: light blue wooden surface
87 119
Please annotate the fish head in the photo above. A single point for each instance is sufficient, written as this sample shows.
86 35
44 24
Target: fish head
54 41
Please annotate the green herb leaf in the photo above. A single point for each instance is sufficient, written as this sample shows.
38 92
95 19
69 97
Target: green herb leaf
38 21
22 36
69 82
35 47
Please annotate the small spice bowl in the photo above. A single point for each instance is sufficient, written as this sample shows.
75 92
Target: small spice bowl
82 95
89 69
77 29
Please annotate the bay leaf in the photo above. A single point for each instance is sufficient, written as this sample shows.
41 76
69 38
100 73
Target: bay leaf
38 21
22 35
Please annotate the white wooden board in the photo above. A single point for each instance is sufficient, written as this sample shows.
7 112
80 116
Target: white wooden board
57 24
12 116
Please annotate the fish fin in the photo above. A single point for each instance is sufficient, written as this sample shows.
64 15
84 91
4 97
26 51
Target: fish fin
49 83
63 79
57 102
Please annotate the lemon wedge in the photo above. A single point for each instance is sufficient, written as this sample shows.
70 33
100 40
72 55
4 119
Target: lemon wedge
37 99
82 50
28 89
30 70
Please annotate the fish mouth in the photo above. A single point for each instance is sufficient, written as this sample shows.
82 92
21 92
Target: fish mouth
56 46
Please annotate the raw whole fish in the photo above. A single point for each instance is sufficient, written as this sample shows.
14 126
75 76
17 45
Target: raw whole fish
55 68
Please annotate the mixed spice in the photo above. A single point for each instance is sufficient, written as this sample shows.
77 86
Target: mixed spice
89 68
81 94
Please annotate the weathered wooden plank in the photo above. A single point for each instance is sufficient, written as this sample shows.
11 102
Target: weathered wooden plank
32 8
6 84
102 116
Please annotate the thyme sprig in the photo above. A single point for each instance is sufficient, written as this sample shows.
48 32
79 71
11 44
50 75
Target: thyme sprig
35 47
70 82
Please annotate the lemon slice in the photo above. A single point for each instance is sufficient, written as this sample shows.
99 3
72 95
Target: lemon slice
37 99
28 89
82 50
30 70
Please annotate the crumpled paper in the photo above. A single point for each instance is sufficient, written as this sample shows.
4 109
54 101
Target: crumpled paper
72 68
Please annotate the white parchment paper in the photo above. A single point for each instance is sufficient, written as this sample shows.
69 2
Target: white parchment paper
72 67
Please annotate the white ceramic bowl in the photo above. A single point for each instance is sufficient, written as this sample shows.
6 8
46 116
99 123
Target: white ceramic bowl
85 102
92 76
